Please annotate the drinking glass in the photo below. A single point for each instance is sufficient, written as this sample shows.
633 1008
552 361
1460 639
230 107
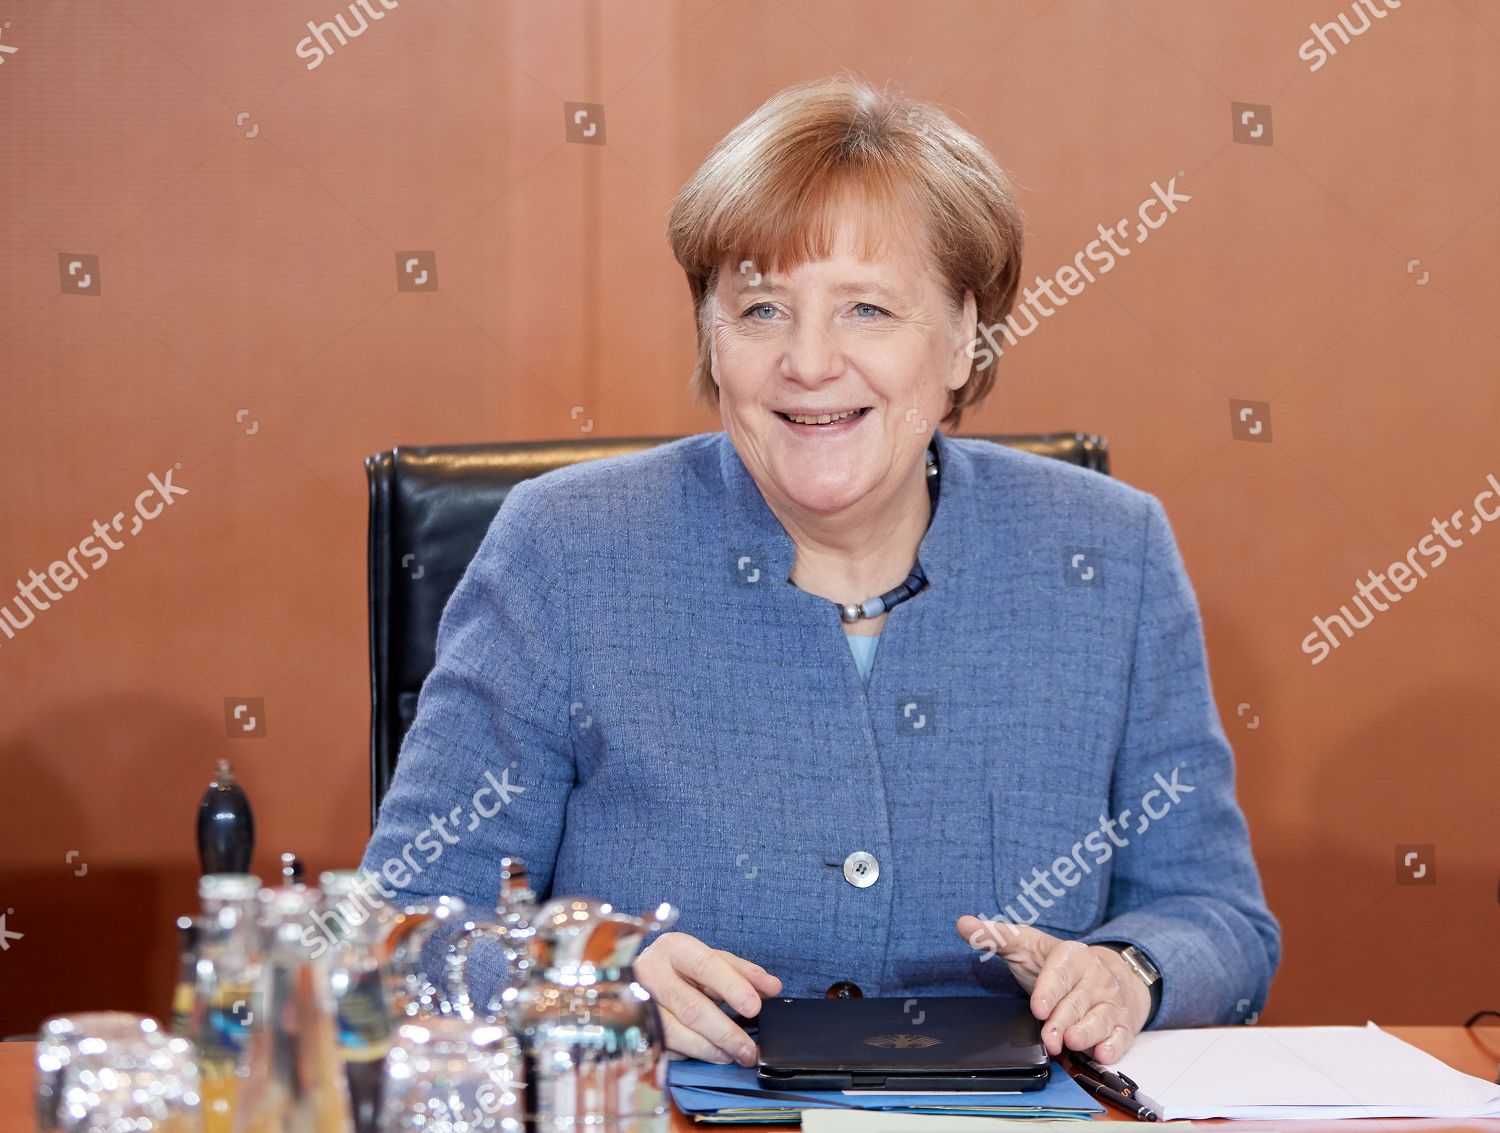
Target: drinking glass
114 1072
447 1074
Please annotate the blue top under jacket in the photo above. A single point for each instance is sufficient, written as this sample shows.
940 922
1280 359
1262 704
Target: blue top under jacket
631 696
863 647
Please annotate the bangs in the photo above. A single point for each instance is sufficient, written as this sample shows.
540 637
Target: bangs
776 231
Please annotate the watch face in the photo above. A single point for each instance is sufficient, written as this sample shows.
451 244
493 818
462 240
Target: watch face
1142 964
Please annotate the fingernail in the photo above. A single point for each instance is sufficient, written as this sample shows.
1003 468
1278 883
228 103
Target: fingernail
747 1055
1044 1006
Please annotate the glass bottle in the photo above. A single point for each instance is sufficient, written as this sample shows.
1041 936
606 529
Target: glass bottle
220 1008
225 1009
295 1082
355 936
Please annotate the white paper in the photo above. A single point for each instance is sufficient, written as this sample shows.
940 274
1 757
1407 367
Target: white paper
867 1121
1279 1073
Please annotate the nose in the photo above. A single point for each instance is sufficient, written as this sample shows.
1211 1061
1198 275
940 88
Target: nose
813 353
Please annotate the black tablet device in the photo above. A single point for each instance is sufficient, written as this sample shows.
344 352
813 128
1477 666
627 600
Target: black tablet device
908 1045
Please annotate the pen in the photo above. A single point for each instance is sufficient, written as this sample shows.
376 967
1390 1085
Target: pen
1117 1082
1131 1105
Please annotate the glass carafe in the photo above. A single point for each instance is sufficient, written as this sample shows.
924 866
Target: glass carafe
590 1034
510 933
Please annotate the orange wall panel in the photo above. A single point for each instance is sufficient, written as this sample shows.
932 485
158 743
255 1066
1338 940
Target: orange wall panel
245 217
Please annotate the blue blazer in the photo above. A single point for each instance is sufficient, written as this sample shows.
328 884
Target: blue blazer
631 696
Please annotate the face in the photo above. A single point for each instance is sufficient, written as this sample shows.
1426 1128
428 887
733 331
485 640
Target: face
826 337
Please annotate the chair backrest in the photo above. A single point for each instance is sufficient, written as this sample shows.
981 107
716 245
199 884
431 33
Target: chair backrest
429 510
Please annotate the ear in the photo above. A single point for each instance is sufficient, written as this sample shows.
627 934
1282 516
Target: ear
713 342
964 335
709 318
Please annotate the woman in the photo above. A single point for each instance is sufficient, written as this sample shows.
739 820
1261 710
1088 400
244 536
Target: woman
669 661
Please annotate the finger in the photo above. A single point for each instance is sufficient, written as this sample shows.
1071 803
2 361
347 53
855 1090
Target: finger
999 936
686 1041
1073 1009
761 980
711 970
1115 1044
1096 1025
1023 949
1096 988
1065 965
700 1015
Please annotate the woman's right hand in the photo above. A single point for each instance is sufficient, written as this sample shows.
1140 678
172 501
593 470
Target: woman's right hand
689 980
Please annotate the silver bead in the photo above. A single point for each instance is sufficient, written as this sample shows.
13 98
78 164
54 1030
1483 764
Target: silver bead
850 613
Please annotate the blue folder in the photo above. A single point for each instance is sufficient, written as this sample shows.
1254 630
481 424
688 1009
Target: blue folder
710 1092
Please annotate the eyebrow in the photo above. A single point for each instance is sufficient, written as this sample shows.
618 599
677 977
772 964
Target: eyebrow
850 287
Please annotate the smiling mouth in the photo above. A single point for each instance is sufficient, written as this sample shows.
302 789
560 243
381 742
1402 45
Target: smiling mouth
825 418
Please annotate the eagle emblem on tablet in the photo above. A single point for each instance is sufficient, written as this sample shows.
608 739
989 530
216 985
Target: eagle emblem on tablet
902 1040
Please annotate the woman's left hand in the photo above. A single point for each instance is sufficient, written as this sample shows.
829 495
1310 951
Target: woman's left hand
1086 995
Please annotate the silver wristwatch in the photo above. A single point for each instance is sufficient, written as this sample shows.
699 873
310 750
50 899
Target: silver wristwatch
1142 966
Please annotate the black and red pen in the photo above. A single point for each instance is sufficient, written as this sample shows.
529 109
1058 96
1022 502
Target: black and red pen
1112 1086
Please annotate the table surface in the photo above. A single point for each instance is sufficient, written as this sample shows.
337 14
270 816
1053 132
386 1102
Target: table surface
1472 1051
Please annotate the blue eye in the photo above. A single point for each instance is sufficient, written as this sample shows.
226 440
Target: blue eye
870 306
761 307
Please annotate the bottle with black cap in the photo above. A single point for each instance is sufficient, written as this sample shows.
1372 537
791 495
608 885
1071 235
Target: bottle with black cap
226 826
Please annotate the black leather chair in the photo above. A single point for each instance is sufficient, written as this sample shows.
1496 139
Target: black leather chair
429 509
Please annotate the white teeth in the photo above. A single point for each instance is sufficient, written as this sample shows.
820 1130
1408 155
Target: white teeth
825 419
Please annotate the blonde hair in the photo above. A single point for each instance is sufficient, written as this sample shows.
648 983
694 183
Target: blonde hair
768 194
